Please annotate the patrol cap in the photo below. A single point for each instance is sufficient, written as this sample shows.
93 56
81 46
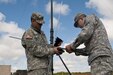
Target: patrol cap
38 17
77 17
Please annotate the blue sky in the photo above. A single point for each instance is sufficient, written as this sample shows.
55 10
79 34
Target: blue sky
15 19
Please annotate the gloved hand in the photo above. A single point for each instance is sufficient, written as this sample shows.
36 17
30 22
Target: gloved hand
77 53
80 52
58 50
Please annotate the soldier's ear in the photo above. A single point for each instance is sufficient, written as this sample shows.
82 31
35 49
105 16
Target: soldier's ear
33 20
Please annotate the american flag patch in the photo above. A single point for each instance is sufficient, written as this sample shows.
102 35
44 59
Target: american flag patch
28 37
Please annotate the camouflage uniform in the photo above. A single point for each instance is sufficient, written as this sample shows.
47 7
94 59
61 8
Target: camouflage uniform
97 46
37 51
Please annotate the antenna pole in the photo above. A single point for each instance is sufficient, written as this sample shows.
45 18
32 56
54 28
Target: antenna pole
51 34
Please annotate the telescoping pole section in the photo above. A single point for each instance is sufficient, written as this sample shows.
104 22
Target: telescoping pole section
51 35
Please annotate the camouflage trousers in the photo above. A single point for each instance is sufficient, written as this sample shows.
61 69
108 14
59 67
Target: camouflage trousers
102 65
42 71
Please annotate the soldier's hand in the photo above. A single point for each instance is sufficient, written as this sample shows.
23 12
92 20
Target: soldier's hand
58 50
69 49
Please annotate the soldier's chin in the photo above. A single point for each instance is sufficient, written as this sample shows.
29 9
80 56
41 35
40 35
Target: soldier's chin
40 24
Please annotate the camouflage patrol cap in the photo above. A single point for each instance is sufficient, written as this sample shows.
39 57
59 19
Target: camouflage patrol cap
77 17
38 17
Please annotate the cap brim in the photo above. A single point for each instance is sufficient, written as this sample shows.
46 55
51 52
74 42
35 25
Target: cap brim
40 21
75 24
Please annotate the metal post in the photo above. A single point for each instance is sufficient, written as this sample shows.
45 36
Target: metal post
51 34
51 42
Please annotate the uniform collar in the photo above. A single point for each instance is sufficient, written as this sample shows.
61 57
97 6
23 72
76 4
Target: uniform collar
37 30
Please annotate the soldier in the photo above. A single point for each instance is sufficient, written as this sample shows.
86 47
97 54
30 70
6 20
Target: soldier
97 46
37 50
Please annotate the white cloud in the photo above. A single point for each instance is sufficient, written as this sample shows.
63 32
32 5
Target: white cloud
58 8
8 44
56 23
108 23
10 49
2 17
10 28
7 1
74 63
81 46
104 8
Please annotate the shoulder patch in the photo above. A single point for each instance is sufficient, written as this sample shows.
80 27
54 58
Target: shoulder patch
28 37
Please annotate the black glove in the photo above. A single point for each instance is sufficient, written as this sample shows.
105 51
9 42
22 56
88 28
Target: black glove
81 52
60 50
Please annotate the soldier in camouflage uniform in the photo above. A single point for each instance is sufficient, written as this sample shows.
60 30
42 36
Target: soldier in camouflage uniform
97 46
37 50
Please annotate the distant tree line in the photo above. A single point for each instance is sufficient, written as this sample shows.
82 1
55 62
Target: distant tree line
73 73
24 72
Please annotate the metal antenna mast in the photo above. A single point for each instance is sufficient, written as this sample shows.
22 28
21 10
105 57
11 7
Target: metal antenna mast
51 34
51 41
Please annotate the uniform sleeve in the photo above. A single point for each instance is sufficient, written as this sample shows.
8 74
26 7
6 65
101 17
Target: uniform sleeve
35 48
85 34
